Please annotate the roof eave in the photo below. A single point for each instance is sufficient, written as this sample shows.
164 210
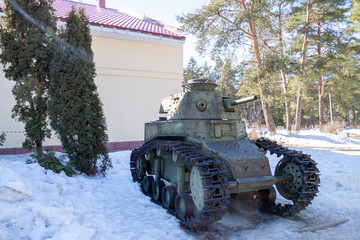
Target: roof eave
124 34
120 31
105 26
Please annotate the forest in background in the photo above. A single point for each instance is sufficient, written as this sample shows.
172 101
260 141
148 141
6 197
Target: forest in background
301 57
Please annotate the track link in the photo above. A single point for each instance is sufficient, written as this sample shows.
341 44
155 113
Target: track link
216 189
311 178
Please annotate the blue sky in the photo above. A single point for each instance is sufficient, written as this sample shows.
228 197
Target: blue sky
164 11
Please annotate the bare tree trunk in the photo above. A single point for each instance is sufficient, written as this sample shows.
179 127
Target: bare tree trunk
303 73
298 111
288 117
321 102
39 92
269 120
282 72
321 111
39 147
287 104
321 83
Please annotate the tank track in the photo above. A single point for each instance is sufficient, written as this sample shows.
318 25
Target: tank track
311 179
216 190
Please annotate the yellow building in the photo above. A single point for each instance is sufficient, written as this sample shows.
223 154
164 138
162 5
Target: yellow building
138 62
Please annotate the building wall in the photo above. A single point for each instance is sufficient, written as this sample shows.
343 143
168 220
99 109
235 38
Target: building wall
132 78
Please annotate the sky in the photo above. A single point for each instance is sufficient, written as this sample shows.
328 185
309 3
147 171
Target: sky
164 11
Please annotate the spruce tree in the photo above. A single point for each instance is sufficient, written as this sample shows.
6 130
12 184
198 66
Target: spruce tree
207 72
24 42
75 108
191 71
227 82
2 139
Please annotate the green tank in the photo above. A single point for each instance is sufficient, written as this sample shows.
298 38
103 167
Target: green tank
198 156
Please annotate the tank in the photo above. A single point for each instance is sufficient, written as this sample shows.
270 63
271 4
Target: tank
197 157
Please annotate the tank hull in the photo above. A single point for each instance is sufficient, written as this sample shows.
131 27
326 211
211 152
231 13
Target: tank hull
226 139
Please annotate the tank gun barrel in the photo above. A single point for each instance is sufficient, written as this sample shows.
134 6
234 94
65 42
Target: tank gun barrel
230 103
242 100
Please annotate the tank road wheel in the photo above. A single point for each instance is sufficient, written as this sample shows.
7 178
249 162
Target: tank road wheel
208 183
138 169
196 186
157 187
169 194
210 187
184 206
147 184
289 189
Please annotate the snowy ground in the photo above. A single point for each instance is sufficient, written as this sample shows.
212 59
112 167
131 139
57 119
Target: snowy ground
315 139
39 204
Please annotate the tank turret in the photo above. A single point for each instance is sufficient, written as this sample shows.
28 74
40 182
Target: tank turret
200 101
199 155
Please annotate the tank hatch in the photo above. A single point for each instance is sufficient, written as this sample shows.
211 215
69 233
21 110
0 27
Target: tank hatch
199 85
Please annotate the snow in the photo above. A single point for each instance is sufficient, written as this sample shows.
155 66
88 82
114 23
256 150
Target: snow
39 204
315 139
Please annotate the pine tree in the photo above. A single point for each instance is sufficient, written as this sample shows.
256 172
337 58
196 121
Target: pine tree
24 41
75 108
355 13
304 17
224 26
344 74
279 15
321 26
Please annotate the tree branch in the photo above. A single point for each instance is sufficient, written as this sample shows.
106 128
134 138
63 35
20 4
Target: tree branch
230 10
239 28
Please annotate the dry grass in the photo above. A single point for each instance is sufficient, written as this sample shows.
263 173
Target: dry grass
333 127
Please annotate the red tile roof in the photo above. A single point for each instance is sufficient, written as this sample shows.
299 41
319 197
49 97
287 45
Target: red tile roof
115 19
